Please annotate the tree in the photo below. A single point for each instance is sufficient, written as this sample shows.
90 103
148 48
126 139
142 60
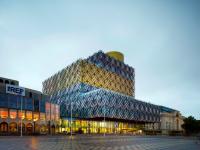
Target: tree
191 125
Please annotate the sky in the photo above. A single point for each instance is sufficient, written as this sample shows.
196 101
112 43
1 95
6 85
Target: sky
160 39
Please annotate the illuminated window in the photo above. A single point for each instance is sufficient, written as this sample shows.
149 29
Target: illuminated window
3 113
57 112
21 115
13 114
13 127
42 116
48 107
29 115
35 116
52 112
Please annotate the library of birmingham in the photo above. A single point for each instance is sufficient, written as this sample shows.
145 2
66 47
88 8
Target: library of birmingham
93 95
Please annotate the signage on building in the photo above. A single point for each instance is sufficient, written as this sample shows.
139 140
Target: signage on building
13 89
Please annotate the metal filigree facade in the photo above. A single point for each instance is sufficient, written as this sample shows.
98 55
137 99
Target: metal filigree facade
98 77
97 86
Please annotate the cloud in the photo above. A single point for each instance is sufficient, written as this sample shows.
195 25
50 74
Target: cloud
159 39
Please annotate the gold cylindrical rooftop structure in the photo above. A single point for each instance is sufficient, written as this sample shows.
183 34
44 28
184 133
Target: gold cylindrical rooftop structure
117 55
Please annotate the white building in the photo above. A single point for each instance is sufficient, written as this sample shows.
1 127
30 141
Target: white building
170 121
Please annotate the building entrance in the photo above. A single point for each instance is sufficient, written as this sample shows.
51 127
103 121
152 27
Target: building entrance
3 127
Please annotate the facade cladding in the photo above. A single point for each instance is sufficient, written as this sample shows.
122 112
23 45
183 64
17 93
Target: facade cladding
37 114
100 86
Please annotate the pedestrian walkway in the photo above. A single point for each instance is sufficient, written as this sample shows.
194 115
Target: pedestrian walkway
98 143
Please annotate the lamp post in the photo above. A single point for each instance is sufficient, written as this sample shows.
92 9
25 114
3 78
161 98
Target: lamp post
50 126
104 118
71 119
21 116
34 126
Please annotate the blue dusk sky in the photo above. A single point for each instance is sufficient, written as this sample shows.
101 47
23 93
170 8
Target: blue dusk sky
159 38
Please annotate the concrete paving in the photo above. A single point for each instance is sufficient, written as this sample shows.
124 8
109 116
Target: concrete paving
85 142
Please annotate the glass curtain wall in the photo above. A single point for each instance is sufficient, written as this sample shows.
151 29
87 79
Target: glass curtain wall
100 127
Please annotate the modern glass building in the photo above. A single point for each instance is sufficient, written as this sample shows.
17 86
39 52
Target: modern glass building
26 108
99 94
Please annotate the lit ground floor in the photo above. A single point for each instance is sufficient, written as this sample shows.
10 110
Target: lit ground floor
75 126
85 142
31 122
112 126
80 126
102 126
15 127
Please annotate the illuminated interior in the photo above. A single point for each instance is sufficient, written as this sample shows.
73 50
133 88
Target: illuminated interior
43 129
13 113
107 127
3 113
57 114
52 112
48 111
21 114
42 116
35 116
29 115
13 127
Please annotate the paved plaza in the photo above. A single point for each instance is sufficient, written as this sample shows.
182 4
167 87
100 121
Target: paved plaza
98 143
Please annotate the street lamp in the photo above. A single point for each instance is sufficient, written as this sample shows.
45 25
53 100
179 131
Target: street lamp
104 118
34 126
71 103
21 116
